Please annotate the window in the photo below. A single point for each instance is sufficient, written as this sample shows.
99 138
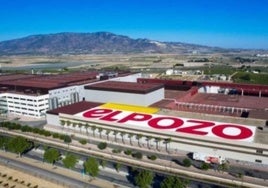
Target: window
259 151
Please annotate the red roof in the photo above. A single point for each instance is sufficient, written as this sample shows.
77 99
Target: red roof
74 108
127 87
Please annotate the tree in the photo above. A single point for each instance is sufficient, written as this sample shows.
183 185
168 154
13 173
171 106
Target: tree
157 140
93 128
100 131
117 166
115 134
144 178
187 162
19 145
51 155
103 163
205 166
70 161
91 167
62 122
122 134
138 137
174 182
86 127
68 123
67 139
80 127
130 135
107 134
148 138
167 141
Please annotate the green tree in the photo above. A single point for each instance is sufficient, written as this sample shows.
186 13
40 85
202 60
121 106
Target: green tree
157 140
144 178
51 155
117 166
91 167
205 166
148 138
187 162
80 126
93 128
130 135
67 139
115 135
166 142
107 134
174 182
19 145
122 134
103 163
100 131
138 137
70 161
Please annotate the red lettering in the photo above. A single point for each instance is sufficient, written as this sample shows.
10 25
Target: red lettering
110 116
244 131
96 113
135 117
193 129
176 122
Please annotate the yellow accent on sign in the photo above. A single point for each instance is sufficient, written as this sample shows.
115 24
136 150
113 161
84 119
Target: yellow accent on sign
131 108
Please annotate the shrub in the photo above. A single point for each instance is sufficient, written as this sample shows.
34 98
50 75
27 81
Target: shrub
205 166
187 162
152 157
102 145
55 135
137 155
128 152
83 141
116 150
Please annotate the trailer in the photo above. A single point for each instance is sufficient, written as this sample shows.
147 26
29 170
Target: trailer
208 158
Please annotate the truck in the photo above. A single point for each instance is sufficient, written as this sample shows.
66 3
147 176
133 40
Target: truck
208 158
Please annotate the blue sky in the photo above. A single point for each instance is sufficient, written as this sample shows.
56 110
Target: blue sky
224 23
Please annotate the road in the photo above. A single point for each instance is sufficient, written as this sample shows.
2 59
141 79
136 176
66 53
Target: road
45 174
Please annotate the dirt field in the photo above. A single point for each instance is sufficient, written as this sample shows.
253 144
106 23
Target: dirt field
16 179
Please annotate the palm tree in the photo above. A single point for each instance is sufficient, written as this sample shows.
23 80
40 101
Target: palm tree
68 123
157 140
100 131
115 138
148 138
138 137
107 134
93 128
80 126
130 135
86 127
74 124
122 135
167 141
62 122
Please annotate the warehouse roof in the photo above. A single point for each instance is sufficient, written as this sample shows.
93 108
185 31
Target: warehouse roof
74 108
127 87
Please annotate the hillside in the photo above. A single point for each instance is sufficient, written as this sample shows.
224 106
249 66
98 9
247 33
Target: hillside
91 43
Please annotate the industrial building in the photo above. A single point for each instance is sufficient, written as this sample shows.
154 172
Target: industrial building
32 95
175 121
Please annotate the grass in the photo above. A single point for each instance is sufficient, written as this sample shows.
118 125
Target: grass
253 78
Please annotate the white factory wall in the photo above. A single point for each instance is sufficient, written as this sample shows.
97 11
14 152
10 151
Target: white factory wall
125 98
209 89
129 78
27 105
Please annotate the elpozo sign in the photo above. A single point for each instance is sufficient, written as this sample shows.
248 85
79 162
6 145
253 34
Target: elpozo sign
228 131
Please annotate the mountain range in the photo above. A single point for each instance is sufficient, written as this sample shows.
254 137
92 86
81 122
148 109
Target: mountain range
92 43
